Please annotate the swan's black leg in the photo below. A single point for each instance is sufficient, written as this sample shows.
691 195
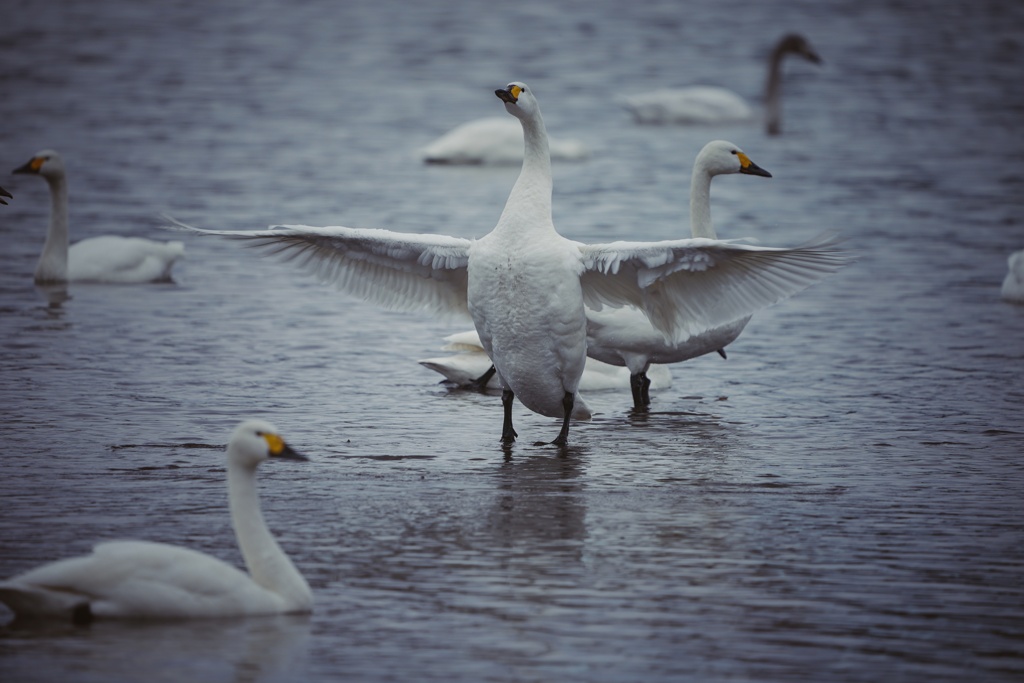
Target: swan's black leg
480 383
563 436
635 384
645 389
721 352
508 434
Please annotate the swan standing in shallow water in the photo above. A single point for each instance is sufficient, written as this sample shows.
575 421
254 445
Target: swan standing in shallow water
525 286
493 140
143 580
110 258
624 336
1013 283
711 104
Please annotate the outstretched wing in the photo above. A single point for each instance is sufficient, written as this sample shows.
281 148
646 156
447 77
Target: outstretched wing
691 285
391 269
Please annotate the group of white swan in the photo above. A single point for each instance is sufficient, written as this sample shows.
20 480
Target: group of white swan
701 104
526 287
492 140
624 336
108 258
145 580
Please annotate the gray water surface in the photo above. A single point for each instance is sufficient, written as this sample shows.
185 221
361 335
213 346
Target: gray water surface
839 500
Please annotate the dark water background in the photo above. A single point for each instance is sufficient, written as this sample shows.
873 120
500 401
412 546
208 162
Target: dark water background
840 500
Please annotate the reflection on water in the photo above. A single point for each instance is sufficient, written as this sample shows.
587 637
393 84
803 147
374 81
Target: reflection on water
240 651
54 295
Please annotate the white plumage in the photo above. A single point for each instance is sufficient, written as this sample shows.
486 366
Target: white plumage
706 104
470 363
109 258
1013 283
493 140
525 285
625 336
144 580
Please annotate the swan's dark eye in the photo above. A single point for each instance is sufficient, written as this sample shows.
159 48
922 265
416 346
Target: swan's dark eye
258 433
734 152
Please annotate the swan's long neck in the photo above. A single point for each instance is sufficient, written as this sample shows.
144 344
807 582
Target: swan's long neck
700 204
773 91
53 263
530 199
267 563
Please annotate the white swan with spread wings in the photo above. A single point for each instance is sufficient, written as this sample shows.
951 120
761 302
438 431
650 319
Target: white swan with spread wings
525 286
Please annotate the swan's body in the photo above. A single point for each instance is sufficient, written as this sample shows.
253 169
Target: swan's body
525 286
493 140
711 104
143 580
110 258
1013 283
624 336
470 364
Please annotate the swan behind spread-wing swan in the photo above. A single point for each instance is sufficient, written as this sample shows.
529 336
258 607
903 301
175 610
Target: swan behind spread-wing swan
108 258
706 104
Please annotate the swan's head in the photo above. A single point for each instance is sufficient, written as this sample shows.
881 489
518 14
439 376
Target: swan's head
518 99
796 44
46 163
720 157
255 441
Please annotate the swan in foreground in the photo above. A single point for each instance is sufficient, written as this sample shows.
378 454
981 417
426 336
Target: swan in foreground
109 258
525 286
493 140
5 193
1013 283
712 104
470 368
624 336
143 580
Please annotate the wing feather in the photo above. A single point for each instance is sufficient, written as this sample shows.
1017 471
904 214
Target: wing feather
689 286
401 271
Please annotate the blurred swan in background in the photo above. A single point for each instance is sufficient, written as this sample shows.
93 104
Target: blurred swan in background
470 368
525 286
713 104
1013 283
144 580
109 258
493 140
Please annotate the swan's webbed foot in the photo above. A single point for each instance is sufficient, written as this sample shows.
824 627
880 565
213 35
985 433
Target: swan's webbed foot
480 383
508 433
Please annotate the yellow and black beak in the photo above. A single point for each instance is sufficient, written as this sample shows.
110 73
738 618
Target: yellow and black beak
750 168
31 166
279 449
509 95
